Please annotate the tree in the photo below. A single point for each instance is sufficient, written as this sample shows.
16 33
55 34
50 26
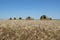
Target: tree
28 18
50 18
43 17
10 18
20 18
14 18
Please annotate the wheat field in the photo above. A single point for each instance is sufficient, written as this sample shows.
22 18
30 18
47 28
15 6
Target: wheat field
29 29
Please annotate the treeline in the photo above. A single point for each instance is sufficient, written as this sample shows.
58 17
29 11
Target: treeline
43 17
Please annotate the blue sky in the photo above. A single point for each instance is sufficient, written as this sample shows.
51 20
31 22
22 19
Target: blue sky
33 8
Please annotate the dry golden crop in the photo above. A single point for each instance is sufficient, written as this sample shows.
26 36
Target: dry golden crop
29 29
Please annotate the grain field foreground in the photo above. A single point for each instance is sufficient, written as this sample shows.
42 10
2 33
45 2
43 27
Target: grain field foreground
29 30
